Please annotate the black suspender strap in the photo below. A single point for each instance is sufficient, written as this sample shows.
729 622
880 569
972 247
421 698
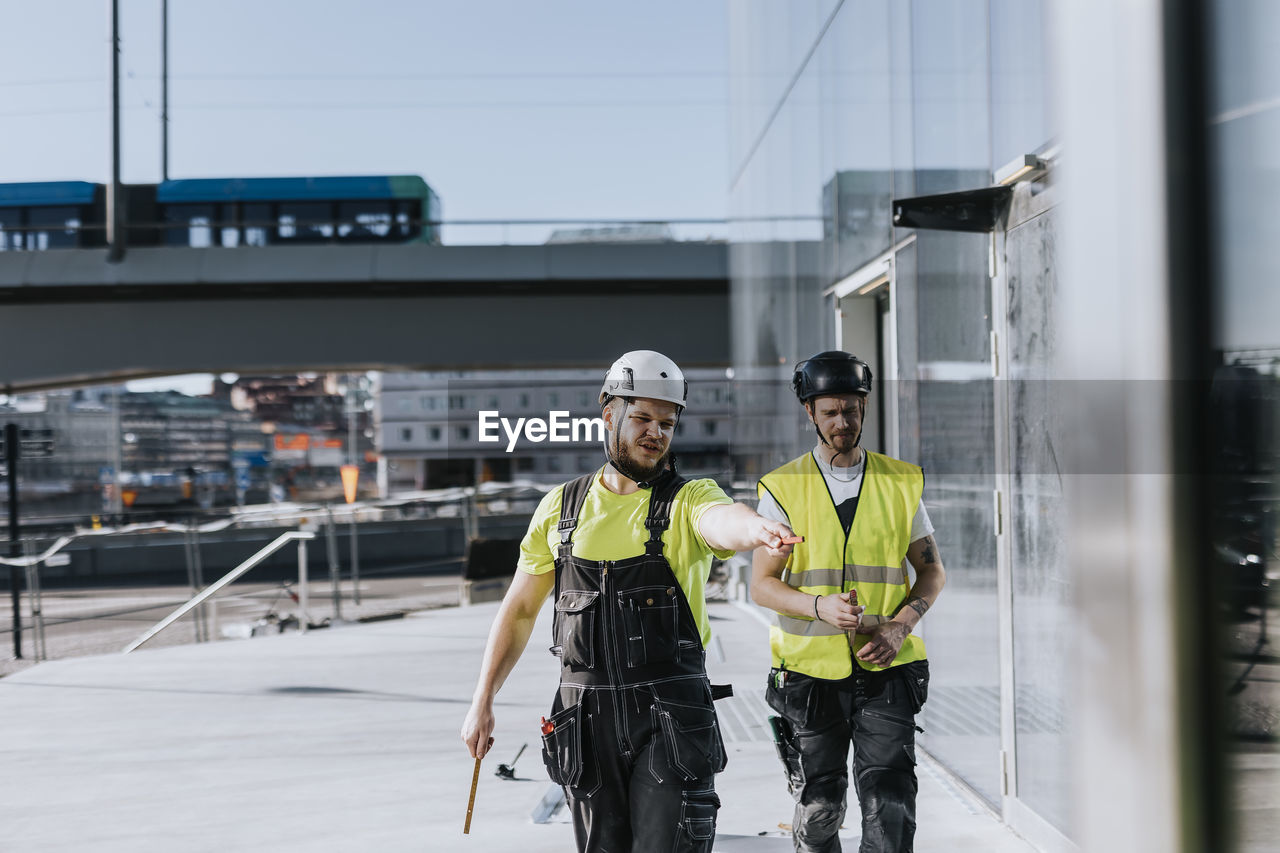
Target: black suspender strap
660 502
571 501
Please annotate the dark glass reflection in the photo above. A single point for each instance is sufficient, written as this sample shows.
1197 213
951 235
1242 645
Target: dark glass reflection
1244 126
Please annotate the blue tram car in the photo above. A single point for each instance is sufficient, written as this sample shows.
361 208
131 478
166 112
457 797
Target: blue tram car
234 212
224 212
51 215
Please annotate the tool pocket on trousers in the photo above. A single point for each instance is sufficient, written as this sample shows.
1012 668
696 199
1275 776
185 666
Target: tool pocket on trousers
698 823
784 742
917 681
694 746
575 624
793 695
562 747
649 624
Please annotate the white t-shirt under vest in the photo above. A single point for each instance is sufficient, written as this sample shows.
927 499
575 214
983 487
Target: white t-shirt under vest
845 484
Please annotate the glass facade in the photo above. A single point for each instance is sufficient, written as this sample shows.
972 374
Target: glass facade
838 109
1244 172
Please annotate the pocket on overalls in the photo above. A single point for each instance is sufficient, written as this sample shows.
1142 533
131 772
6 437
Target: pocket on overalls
793 695
784 743
695 748
917 682
698 821
649 622
575 623
562 746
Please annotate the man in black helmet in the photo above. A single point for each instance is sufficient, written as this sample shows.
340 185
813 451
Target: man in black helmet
846 665
632 734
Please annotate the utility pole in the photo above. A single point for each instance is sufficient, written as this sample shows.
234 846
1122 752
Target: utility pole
115 219
164 90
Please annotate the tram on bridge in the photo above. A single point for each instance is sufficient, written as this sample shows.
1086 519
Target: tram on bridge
223 212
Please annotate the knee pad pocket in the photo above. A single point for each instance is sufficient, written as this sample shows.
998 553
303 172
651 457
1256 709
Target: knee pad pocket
698 822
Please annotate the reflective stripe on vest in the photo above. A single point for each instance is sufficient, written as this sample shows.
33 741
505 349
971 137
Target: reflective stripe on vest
871 559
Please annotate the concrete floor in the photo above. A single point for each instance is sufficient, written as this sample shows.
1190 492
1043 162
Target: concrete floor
347 739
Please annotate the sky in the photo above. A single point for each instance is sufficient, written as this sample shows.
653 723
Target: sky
510 110
555 109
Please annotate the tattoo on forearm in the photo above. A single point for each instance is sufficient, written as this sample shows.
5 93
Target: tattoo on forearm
916 603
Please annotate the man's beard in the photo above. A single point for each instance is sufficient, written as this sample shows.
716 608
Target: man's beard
636 469
849 438
835 440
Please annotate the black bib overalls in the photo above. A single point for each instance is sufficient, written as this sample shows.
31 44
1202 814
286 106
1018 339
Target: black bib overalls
635 741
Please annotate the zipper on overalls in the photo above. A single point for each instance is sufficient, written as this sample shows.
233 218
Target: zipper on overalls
606 617
611 658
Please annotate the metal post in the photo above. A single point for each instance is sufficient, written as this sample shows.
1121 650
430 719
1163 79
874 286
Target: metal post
331 553
351 419
11 448
355 559
352 458
202 615
116 506
115 233
471 518
188 553
34 600
164 90
303 619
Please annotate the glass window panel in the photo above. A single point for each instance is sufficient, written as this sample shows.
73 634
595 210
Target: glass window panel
1020 105
856 194
199 233
364 220
10 221
256 220
307 221
949 95
962 717
1037 516
1244 132
406 212
178 222
55 226
947 426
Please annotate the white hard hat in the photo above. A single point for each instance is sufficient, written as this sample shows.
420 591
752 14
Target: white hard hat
645 373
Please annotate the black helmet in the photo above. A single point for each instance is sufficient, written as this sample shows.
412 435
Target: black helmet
831 372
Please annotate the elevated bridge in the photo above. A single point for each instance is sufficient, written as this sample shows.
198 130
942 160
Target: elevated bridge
69 317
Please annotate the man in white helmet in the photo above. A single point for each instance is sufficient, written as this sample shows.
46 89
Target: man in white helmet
632 735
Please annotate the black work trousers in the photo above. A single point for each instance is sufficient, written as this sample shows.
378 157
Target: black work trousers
638 765
875 711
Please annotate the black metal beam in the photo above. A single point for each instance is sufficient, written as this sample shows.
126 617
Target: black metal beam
976 211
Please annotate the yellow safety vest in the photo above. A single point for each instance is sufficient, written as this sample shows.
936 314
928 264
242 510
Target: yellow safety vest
870 559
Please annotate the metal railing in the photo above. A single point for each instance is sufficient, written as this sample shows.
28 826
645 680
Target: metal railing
300 536
30 563
345 230
236 233
81 622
